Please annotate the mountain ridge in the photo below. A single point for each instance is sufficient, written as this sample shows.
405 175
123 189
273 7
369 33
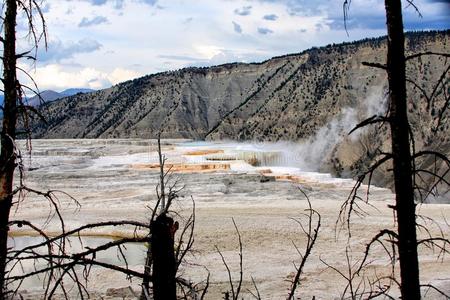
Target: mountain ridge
152 81
51 95
314 95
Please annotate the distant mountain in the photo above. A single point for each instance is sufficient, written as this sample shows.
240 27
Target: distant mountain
44 96
50 95
71 92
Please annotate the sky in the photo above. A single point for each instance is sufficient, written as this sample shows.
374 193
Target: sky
98 43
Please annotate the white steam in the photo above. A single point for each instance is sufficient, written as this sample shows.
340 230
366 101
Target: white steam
375 103
312 153
315 150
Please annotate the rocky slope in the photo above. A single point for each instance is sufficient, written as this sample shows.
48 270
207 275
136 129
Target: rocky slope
286 98
315 96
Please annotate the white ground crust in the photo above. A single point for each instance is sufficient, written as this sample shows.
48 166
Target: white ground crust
101 176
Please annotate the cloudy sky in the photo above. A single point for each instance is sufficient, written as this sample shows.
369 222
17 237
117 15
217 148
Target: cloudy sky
98 43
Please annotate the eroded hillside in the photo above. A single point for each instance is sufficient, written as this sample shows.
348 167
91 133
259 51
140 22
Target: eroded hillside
316 97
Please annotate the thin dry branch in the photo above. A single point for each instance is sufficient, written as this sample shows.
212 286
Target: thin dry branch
351 206
77 231
345 10
234 292
417 55
374 65
257 296
183 248
432 287
372 120
311 234
393 238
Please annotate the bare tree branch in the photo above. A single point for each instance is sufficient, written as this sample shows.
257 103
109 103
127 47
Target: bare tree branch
311 234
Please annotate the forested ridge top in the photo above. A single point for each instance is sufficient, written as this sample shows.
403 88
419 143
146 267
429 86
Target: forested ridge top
305 90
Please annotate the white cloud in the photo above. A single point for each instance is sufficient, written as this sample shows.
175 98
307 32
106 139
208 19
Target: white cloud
59 77
148 36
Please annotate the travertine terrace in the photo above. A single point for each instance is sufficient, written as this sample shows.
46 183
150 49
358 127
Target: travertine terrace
116 179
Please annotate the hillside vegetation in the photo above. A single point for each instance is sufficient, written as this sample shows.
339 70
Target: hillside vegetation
320 93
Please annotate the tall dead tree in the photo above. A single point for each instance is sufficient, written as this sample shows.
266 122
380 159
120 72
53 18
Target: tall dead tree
403 157
164 260
405 206
59 263
8 133
161 254
13 107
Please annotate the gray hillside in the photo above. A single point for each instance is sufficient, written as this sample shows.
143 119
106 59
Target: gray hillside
316 96
283 98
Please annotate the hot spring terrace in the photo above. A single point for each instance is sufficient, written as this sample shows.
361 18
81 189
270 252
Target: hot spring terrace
260 186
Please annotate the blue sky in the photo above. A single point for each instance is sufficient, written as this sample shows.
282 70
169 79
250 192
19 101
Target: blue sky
98 43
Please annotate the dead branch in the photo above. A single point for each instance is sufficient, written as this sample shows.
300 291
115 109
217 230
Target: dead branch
205 289
311 233
183 248
372 120
345 9
349 276
374 65
77 231
257 296
350 205
393 238
432 287
234 292
417 55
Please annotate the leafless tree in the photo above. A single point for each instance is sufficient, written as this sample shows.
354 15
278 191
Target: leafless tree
311 231
63 269
235 288
164 256
60 267
403 157
14 107
57 264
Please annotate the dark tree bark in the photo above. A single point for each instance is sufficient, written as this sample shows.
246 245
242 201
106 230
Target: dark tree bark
8 133
147 273
164 262
400 134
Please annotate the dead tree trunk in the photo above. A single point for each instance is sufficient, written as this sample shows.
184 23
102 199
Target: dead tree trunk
400 134
147 273
8 133
164 262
